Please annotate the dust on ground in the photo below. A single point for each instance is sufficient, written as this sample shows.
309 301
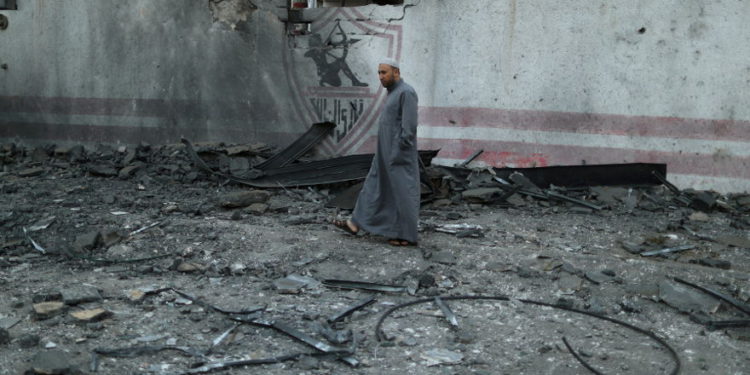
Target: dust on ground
150 269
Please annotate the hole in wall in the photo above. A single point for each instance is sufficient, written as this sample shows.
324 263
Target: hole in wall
642 30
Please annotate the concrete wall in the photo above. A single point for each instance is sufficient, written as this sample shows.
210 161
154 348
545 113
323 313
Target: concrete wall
545 82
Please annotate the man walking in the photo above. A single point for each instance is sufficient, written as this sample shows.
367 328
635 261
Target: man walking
388 204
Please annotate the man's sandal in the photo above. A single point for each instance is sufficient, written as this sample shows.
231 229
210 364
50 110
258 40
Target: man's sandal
344 225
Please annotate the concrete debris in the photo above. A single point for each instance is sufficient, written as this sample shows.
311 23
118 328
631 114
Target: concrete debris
435 357
162 221
80 294
45 310
243 198
4 337
91 315
686 299
51 362
87 241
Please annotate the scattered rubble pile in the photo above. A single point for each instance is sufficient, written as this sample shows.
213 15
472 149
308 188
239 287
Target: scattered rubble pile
202 258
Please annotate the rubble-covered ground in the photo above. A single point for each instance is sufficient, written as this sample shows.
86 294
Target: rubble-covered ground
130 253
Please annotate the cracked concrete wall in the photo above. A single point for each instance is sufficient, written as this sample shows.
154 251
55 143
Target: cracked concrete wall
144 70
532 83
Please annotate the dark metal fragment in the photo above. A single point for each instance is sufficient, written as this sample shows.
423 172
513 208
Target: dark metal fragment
447 312
299 147
667 250
346 284
349 310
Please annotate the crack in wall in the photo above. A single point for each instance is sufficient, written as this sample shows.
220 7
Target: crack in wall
231 12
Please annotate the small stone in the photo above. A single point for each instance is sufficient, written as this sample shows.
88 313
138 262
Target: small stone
569 283
87 241
190 267
243 198
31 172
465 337
127 172
236 215
28 341
287 285
444 257
51 362
135 295
92 315
120 251
698 216
407 341
80 294
686 299
256 209
436 357
308 363
4 337
102 170
581 210
716 263
45 310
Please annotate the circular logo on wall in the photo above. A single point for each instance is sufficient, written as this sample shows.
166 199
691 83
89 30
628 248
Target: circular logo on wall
332 71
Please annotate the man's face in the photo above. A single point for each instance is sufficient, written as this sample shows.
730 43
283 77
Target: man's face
388 75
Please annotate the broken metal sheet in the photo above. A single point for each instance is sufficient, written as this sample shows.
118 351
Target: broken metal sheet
334 336
468 160
346 284
329 171
315 343
218 309
680 196
734 302
580 175
42 224
447 312
349 310
299 147
465 230
147 227
217 341
667 250
33 243
579 202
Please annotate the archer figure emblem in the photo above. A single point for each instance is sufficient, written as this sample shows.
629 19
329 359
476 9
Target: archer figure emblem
336 48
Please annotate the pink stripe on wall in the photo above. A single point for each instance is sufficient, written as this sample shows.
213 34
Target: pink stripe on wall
589 123
515 154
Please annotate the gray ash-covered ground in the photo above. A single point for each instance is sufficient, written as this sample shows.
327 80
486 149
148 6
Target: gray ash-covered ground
118 225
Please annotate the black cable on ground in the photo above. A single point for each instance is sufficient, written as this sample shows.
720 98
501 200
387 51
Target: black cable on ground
578 357
381 336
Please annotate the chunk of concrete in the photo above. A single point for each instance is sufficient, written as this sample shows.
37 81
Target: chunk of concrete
31 172
686 299
45 310
51 362
243 198
87 241
80 294
91 315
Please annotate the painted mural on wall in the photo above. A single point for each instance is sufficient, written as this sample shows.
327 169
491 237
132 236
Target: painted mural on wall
333 73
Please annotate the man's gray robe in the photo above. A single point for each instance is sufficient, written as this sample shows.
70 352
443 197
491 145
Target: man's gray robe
389 202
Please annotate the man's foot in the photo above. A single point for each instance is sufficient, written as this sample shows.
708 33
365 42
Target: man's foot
400 242
347 226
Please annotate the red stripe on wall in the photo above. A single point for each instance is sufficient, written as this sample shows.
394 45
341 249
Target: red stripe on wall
529 155
589 123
